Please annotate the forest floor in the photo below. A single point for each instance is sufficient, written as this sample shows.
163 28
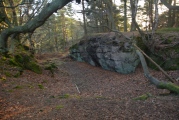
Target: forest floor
79 91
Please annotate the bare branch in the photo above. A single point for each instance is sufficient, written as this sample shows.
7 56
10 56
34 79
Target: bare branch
33 24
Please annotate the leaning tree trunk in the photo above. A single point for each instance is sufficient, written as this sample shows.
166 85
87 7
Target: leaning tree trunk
134 12
159 84
30 26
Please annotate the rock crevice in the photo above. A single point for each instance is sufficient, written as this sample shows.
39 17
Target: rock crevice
107 51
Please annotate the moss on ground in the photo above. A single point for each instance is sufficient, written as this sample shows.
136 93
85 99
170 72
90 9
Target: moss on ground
51 67
64 96
25 60
58 107
14 64
143 97
40 86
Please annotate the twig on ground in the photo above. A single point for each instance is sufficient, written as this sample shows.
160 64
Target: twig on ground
77 89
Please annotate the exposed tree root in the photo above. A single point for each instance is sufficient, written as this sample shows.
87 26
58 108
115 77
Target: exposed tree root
159 84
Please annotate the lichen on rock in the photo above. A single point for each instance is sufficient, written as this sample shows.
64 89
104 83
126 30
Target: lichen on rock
107 51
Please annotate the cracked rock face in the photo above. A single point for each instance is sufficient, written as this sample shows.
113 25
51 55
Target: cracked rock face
107 51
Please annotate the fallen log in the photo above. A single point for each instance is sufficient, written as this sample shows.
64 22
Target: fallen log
171 79
159 84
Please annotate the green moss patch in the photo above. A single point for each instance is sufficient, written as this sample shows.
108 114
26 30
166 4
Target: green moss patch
64 96
25 59
41 86
143 97
58 107
33 66
51 67
18 87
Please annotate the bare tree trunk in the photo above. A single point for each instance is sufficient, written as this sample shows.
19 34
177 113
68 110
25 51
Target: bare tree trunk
173 15
3 12
125 15
110 14
84 19
150 14
169 16
134 12
155 24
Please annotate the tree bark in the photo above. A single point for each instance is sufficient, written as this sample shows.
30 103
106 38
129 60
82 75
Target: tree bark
156 17
30 26
125 15
159 84
111 24
134 12
169 22
84 19
155 64
150 10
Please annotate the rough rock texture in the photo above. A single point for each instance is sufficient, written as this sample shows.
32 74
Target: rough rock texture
108 51
164 50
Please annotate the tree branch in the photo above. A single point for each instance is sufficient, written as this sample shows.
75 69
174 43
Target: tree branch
33 24
159 84
172 80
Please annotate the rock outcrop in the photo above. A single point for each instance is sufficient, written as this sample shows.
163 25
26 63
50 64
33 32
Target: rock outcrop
107 51
164 49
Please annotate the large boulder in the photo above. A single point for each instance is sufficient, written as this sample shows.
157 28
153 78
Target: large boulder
108 51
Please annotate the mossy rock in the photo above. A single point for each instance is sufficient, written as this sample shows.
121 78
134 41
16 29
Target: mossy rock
166 53
18 61
25 62
33 66
24 59
11 67
166 59
12 61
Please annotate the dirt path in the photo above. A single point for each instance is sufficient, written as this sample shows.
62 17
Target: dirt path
104 95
